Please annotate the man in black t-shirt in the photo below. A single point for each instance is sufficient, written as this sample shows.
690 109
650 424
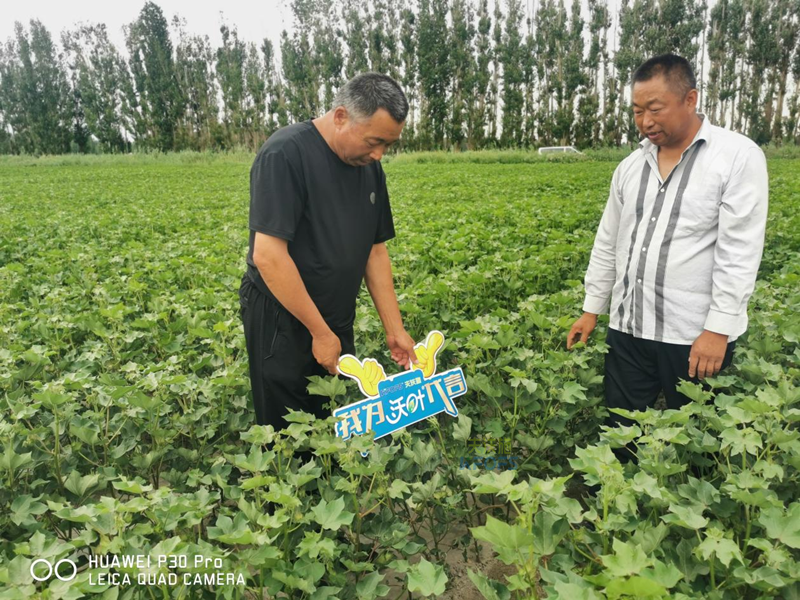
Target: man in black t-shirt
319 220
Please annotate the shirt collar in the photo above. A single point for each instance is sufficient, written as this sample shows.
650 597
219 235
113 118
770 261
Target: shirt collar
704 133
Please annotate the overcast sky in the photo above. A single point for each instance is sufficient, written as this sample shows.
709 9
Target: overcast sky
255 19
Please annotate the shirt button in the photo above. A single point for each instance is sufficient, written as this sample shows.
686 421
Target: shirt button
663 189
644 249
639 280
653 219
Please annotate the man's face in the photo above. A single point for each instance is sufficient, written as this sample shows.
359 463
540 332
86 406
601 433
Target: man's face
663 115
360 142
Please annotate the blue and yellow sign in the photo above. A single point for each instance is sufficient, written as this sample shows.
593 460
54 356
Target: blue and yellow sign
393 403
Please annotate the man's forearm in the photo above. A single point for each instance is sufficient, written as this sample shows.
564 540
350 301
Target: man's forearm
601 272
284 281
380 284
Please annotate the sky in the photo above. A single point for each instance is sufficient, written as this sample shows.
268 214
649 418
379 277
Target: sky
255 19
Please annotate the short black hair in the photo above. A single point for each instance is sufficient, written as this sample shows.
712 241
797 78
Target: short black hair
366 93
675 70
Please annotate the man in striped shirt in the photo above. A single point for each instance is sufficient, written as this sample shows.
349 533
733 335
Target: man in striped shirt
678 247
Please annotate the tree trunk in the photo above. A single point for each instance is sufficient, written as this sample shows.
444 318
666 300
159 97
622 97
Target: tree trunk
777 128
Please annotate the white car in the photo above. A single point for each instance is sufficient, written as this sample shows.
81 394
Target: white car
559 149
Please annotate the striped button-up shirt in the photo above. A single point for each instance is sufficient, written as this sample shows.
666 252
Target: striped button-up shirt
675 256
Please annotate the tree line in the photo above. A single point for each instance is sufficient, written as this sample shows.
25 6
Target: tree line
478 75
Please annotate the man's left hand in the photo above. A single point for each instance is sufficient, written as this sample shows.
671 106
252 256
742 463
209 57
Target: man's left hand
402 349
707 354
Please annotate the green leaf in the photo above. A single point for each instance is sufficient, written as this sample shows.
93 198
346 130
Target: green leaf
493 482
371 587
79 485
503 535
326 592
427 579
491 590
232 531
635 587
332 515
132 486
82 514
19 571
24 507
11 461
627 559
462 428
716 545
741 441
783 528
398 489
666 575
687 562
50 399
330 387
572 591
686 516
649 538
548 531
572 393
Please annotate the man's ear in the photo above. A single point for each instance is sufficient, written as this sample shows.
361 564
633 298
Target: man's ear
340 116
691 99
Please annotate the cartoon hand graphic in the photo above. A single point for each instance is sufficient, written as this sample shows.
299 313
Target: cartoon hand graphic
426 352
368 374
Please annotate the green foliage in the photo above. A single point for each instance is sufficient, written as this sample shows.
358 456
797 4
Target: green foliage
126 424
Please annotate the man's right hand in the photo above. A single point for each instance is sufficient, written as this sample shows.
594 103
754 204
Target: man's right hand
580 330
327 348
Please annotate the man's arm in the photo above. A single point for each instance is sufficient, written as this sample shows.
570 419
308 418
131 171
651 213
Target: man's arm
601 273
277 269
737 256
380 284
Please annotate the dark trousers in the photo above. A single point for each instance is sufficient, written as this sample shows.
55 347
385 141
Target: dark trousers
636 370
280 357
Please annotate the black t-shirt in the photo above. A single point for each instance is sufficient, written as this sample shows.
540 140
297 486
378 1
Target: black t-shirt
331 213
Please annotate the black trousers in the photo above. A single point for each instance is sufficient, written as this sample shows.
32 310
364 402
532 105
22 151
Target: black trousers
636 370
280 357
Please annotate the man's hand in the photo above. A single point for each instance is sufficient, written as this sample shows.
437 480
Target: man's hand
707 354
402 348
580 330
327 348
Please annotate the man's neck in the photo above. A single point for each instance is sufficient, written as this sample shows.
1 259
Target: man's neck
678 149
324 125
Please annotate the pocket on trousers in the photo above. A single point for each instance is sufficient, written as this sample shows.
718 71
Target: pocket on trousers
244 295
271 334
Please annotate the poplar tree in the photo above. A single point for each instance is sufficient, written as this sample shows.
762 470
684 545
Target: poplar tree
300 64
476 134
97 75
194 66
230 67
36 97
408 59
156 99
355 35
494 85
434 71
786 14
461 126
510 58
277 114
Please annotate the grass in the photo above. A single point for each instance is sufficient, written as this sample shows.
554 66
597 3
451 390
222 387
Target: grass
241 155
